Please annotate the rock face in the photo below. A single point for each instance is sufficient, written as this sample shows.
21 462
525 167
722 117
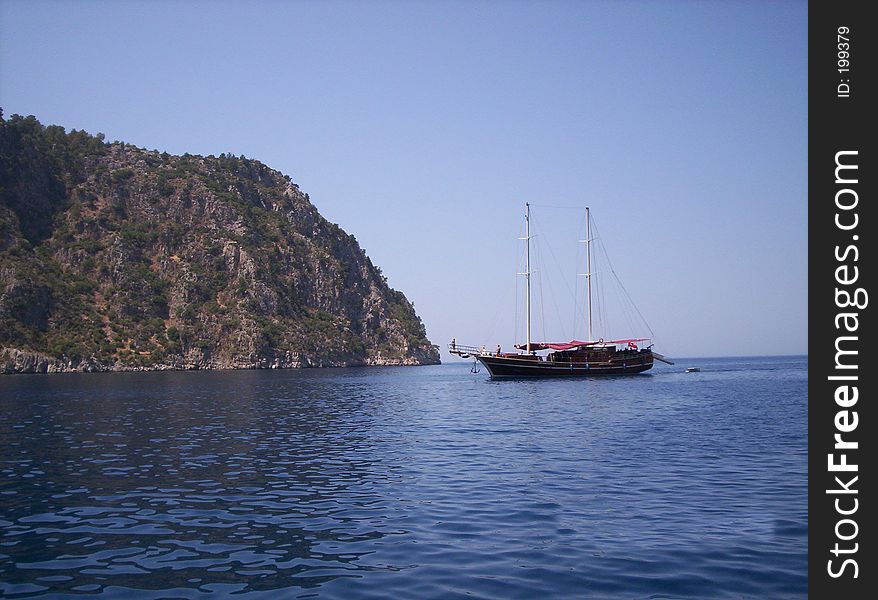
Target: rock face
114 257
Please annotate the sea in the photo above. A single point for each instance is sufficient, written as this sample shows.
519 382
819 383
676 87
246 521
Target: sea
406 482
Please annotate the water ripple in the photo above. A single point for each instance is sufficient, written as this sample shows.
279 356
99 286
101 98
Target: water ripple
429 482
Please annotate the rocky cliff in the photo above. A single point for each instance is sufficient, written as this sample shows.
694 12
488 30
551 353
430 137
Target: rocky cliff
114 257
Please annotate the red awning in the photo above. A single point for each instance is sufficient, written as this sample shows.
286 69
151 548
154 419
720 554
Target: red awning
555 345
575 344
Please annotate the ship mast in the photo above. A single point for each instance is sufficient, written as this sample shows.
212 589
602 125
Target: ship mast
588 268
527 265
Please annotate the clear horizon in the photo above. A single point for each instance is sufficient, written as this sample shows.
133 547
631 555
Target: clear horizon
422 129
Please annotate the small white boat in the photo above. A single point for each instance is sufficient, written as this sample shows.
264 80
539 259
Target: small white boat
693 369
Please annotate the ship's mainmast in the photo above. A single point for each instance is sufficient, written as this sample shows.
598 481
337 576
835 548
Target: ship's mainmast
588 268
527 266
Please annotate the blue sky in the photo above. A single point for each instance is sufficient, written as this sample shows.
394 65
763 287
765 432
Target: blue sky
423 127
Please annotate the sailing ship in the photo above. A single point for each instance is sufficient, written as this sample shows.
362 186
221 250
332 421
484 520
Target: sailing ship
575 358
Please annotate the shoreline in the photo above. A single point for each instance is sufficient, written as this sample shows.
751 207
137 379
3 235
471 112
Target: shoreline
20 362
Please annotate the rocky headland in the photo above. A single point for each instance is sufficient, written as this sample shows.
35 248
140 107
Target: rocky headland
117 258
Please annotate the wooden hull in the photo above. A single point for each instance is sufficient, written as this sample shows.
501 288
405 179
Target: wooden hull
510 367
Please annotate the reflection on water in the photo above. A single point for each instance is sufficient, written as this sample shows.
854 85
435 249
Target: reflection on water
400 481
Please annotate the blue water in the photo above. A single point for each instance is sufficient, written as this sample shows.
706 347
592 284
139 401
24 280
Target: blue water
406 482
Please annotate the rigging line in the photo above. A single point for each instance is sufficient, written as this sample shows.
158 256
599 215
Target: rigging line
520 290
542 305
554 298
626 307
558 267
598 288
579 256
575 303
538 282
597 291
542 265
515 321
521 285
625 313
618 301
515 278
619 281
596 307
610 295
603 310
606 314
